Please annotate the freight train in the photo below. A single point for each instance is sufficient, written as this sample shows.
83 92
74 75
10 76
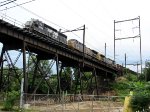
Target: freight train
46 31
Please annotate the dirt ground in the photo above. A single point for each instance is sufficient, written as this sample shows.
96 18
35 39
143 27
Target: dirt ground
86 106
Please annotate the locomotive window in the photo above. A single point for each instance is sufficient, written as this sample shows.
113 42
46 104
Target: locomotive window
36 25
41 27
28 23
40 24
49 30
55 34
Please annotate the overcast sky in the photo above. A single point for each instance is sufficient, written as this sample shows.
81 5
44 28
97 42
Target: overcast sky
98 17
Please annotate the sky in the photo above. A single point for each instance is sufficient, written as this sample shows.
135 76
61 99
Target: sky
98 17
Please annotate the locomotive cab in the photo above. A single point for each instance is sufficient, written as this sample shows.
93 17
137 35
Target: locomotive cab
28 24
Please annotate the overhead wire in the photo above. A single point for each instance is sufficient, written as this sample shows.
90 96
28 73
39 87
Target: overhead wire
131 48
17 5
82 17
9 1
39 15
88 34
10 19
20 5
4 1
36 14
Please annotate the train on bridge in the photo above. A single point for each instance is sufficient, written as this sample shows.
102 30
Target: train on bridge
38 27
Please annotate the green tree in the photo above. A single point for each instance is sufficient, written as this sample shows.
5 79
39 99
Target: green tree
42 71
66 79
147 71
11 78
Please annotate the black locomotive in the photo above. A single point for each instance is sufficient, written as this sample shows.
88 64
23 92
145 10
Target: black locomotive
43 29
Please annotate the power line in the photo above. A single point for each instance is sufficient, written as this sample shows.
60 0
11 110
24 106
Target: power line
11 1
17 5
36 14
4 1
83 18
20 5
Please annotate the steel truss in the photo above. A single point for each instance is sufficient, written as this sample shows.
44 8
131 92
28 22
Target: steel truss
39 72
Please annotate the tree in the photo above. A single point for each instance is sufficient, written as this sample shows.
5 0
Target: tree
147 71
39 74
11 77
66 79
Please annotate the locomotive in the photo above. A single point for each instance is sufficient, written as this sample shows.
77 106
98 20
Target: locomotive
38 27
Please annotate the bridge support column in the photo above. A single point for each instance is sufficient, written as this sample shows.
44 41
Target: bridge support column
35 73
1 65
80 77
94 74
58 76
24 71
79 81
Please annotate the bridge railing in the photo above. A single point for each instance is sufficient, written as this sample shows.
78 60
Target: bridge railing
74 103
11 20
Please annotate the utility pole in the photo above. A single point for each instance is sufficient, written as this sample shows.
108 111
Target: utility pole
136 36
105 49
125 63
77 29
114 41
137 67
140 43
83 43
105 52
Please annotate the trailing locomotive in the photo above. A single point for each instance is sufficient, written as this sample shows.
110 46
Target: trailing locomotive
46 31
51 34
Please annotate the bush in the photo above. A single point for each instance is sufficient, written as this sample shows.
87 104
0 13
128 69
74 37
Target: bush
131 77
141 102
9 102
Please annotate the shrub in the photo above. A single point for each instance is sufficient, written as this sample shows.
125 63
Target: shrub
131 77
141 102
9 102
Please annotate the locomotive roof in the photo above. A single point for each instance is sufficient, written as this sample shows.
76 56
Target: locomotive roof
47 26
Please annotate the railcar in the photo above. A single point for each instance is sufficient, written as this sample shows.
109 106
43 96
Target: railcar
94 53
88 51
45 30
100 56
75 44
109 61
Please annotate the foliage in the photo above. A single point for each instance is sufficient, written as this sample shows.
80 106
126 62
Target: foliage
43 72
9 102
146 71
141 98
131 77
140 101
141 77
66 79
10 79
121 88
141 91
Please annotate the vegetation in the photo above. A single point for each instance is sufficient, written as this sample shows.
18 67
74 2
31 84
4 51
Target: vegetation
10 100
140 86
47 82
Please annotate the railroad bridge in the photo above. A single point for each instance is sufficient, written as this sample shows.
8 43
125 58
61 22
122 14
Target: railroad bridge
16 38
